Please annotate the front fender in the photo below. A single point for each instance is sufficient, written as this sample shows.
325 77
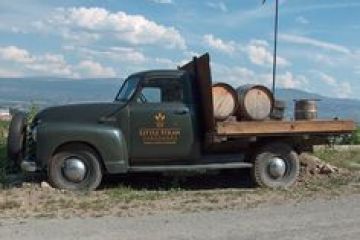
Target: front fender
107 140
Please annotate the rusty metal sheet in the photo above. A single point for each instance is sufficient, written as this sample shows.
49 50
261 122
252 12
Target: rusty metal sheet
200 69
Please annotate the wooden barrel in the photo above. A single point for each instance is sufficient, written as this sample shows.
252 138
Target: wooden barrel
255 102
224 101
278 112
305 109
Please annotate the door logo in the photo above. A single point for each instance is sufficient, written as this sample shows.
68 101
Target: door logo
160 119
160 134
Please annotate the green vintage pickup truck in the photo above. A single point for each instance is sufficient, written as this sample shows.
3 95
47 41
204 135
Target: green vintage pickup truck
160 121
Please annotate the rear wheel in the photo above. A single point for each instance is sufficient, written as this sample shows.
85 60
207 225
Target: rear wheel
76 167
276 165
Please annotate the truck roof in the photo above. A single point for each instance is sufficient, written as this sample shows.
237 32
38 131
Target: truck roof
161 72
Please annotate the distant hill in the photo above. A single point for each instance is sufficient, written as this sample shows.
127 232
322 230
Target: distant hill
327 107
22 92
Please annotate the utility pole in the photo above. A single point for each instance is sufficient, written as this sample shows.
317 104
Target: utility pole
276 28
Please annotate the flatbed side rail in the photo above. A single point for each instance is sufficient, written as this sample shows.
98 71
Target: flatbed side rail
266 128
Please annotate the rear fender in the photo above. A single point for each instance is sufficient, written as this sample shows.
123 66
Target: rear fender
107 140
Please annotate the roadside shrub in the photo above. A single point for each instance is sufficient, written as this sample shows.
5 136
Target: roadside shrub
34 109
353 139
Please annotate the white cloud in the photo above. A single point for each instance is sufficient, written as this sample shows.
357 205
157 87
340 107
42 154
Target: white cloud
322 59
302 20
314 42
257 50
10 73
190 54
19 61
99 23
259 42
219 44
344 90
259 54
162 1
15 54
164 62
89 68
327 79
289 80
51 65
218 6
79 37
127 54
118 54
14 29
237 76
339 89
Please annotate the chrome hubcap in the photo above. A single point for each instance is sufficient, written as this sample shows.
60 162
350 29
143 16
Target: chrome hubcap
74 170
277 167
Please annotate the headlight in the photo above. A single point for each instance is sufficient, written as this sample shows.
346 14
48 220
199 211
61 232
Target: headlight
34 133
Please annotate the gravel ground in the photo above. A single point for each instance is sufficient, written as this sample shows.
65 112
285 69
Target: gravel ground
318 219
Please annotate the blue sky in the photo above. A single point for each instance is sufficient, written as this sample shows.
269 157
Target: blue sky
319 48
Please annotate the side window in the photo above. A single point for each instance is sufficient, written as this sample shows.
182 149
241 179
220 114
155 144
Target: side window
161 90
150 95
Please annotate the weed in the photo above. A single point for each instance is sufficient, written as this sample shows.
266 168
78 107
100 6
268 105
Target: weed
9 204
127 195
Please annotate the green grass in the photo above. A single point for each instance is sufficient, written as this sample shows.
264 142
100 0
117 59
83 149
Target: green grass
343 159
127 194
355 139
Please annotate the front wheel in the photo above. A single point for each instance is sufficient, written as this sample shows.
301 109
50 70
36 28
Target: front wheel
276 165
75 168
16 138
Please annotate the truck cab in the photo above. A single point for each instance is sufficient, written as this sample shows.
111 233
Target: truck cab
162 117
160 121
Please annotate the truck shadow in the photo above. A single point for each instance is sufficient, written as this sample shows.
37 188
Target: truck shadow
156 181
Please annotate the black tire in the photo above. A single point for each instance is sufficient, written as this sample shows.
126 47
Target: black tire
90 159
262 160
16 138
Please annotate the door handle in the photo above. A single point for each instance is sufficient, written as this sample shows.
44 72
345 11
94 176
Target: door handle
181 111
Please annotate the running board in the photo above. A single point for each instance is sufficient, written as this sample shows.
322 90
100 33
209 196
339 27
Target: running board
170 168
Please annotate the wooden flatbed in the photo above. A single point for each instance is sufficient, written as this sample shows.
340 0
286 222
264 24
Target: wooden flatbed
263 128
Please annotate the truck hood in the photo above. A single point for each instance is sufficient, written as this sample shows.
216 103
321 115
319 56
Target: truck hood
89 112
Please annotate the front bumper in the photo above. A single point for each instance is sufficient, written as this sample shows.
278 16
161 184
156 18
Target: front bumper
28 166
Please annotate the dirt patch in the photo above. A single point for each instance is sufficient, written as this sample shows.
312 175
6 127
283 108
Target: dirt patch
313 167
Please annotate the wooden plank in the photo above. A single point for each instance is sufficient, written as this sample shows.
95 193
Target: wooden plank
285 127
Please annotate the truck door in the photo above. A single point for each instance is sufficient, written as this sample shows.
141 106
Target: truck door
161 124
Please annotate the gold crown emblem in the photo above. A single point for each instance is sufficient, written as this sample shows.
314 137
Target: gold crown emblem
160 119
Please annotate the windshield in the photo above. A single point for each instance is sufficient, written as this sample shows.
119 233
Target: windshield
128 89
